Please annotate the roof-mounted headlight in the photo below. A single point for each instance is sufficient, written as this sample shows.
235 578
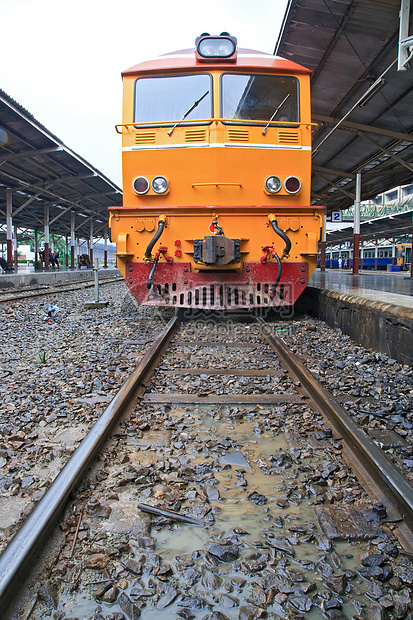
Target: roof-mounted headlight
216 48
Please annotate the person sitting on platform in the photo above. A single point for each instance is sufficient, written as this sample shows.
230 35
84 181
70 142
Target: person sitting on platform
4 264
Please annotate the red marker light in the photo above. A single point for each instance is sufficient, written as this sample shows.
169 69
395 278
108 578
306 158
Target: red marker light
140 185
292 185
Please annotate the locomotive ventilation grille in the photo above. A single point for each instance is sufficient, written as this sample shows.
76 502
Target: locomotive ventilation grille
144 137
236 134
195 135
221 296
286 136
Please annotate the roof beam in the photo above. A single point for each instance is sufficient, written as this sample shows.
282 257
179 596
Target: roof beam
59 215
73 177
85 220
357 127
337 173
339 31
29 154
340 189
74 201
100 227
387 152
384 173
25 204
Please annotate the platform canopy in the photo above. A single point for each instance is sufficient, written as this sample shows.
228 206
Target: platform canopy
361 102
38 170
386 227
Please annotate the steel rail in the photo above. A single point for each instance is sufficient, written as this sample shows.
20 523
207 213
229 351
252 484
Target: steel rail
6 296
27 543
384 474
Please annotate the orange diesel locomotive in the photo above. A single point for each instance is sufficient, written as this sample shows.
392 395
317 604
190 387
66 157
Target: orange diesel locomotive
216 210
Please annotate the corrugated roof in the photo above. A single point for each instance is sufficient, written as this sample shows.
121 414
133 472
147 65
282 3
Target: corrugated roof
40 170
348 45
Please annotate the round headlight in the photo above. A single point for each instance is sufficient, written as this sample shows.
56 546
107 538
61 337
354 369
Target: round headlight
159 185
216 47
272 185
292 185
140 185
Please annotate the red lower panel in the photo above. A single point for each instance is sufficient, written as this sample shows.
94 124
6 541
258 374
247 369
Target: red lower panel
175 285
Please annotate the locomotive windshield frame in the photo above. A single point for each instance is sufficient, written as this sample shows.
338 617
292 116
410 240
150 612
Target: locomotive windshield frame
163 99
260 97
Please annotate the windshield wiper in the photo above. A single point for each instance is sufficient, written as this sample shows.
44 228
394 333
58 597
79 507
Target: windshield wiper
264 131
188 112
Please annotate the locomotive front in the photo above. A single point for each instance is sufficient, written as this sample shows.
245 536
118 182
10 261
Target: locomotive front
216 147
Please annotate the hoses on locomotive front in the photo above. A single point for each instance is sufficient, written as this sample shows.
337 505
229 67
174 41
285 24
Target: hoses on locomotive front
152 271
285 252
148 252
161 226
280 233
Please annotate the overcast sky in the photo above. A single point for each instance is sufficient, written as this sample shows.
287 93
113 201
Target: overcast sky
62 61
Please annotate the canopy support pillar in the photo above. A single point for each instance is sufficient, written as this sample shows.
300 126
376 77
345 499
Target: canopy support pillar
46 236
72 240
9 222
356 238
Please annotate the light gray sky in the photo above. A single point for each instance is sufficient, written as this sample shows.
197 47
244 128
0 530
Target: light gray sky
62 61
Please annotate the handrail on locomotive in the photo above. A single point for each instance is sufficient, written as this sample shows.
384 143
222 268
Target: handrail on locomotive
224 121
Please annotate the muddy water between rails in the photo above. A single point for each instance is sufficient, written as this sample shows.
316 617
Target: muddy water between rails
256 475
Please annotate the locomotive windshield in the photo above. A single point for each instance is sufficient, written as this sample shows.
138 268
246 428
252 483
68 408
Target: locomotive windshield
162 99
259 97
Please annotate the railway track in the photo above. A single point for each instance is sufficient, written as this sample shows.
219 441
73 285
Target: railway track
40 291
221 424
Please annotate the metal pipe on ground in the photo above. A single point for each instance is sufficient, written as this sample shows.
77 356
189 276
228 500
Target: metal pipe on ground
90 305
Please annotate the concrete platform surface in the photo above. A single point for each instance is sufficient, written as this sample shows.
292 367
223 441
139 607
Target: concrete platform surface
375 309
26 275
390 287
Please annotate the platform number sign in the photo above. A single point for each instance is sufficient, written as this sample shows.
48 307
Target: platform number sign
336 216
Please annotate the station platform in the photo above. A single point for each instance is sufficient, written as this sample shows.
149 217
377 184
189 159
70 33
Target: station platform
393 287
27 275
375 308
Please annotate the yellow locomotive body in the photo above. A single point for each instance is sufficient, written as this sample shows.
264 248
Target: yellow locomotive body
216 179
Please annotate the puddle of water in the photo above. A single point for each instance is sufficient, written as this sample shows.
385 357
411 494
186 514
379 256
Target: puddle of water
263 522
181 540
